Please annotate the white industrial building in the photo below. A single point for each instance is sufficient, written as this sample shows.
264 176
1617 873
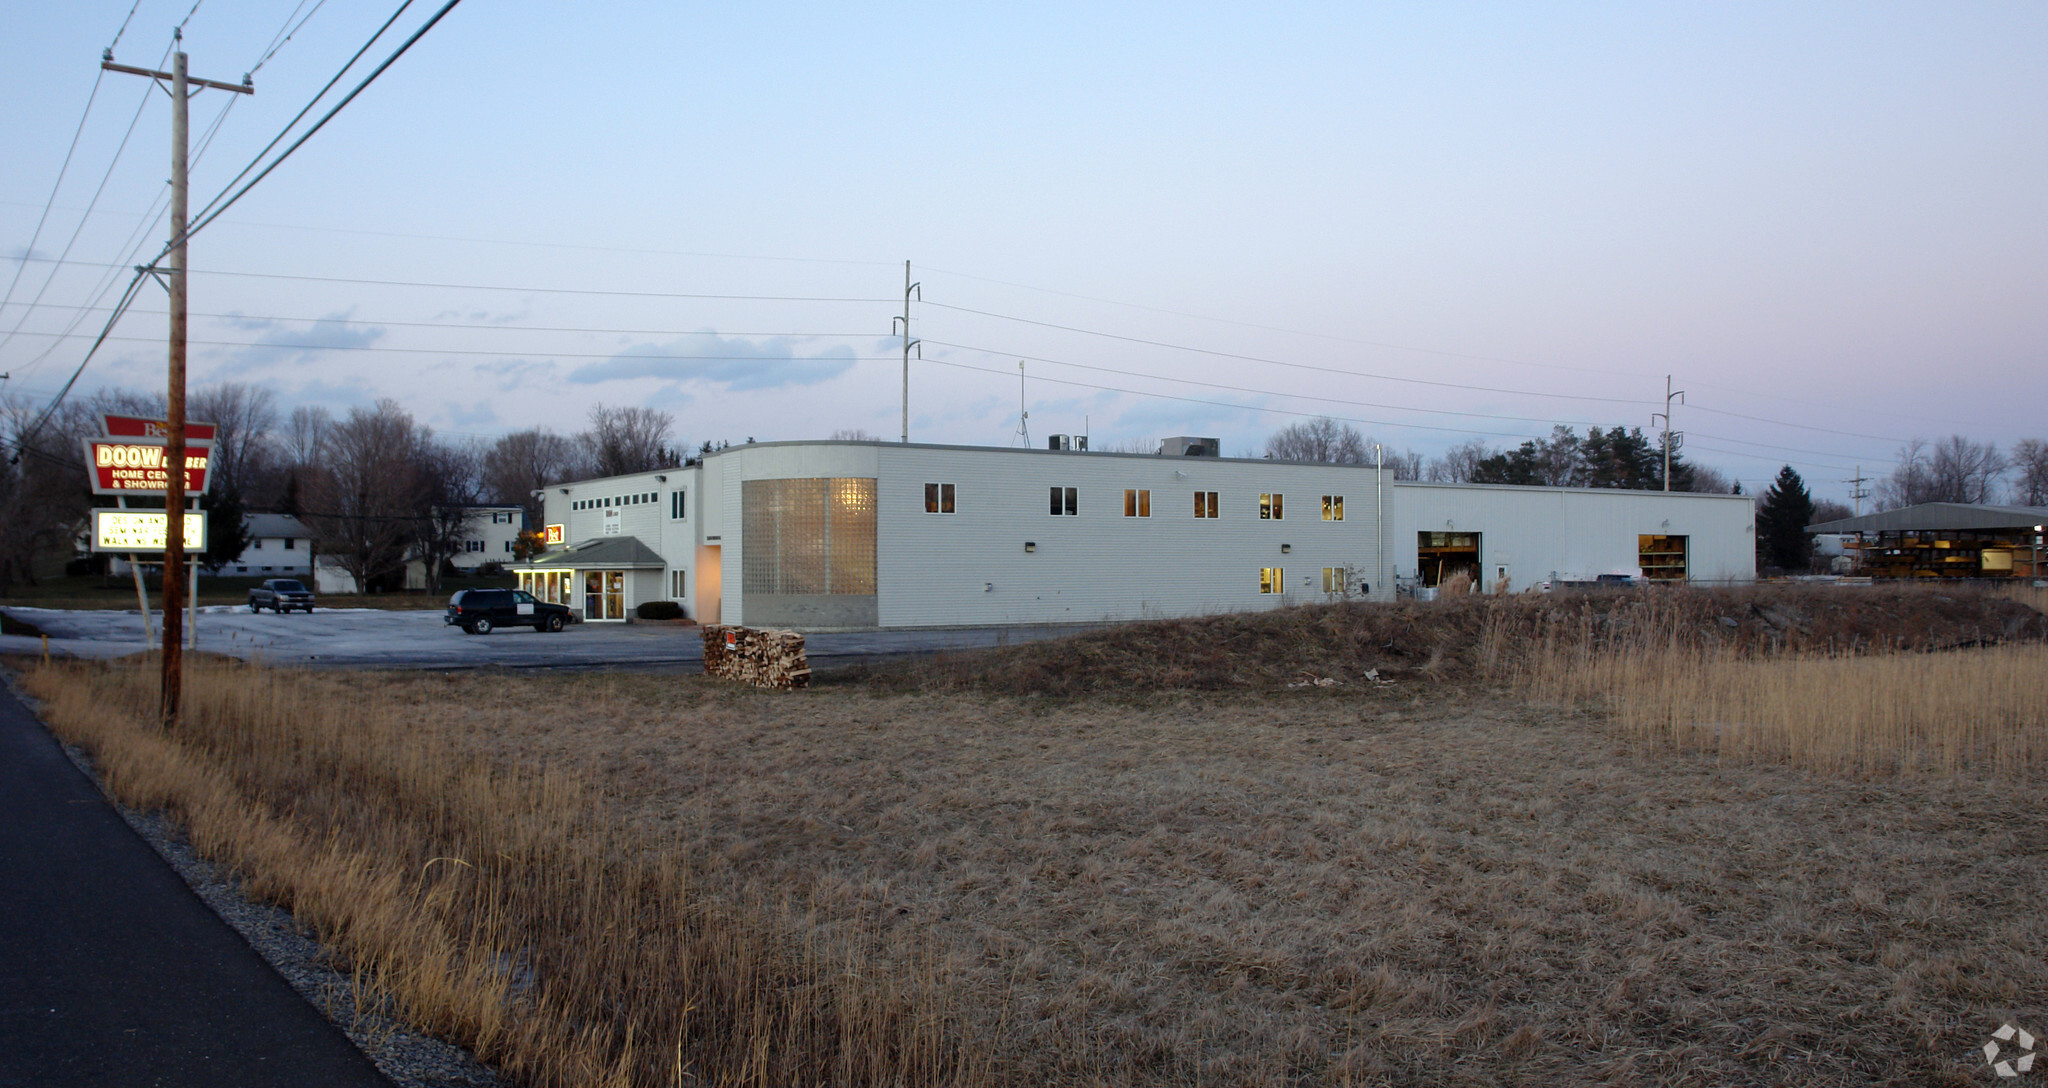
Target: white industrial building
819 535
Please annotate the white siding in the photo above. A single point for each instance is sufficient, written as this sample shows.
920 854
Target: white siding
970 567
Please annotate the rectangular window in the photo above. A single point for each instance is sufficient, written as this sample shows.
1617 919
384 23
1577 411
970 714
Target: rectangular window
1137 503
1269 506
1065 501
1272 580
938 498
675 584
472 545
678 505
1205 504
1333 508
508 545
1333 579
290 542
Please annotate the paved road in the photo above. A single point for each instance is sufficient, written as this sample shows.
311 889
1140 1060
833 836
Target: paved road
374 638
112 972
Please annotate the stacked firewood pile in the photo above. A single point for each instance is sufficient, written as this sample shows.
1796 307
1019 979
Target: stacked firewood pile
765 659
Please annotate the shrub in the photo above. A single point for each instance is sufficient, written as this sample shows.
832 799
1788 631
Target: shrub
659 610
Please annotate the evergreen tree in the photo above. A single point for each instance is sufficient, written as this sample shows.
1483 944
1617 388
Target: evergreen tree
1781 521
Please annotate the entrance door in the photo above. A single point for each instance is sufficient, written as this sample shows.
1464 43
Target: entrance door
604 594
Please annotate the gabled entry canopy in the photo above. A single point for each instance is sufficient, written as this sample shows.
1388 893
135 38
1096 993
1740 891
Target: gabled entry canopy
612 552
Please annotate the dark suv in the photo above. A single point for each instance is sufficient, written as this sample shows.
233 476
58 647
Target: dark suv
478 611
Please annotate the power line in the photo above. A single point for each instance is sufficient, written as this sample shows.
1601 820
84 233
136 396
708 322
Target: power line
516 354
1255 392
124 28
508 328
1801 426
133 245
1441 352
1461 386
506 287
284 35
200 223
1239 407
37 234
302 112
83 219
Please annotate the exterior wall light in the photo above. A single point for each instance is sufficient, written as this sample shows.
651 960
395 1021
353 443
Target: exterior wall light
663 479
1030 546
1286 548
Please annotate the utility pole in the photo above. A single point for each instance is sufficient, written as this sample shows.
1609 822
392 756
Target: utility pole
1023 410
1856 492
908 343
172 269
1669 434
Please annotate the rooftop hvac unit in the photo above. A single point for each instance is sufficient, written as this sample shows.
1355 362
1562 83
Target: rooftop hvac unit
1188 446
1081 442
1058 441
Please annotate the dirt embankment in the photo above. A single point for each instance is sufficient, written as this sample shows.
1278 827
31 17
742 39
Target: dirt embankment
1452 639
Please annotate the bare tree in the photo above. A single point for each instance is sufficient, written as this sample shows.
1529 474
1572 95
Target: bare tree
305 435
854 434
44 494
1319 439
1712 481
621 441
523 462
243 417
1965 471
1406 465
2030 459
1458 463
366 492
451 485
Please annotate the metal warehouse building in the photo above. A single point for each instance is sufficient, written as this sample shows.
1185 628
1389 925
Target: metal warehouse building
881 534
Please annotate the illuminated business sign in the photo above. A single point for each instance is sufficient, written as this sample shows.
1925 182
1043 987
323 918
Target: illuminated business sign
143 531
557 534
114 426
139 466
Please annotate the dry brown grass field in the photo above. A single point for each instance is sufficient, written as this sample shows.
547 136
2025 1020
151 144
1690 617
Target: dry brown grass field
1546 847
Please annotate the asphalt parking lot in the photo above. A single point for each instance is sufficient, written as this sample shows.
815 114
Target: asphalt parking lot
375 638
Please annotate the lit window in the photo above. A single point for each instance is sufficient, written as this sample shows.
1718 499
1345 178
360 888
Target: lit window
1333 579
1137 503
1333 508
1269 506
1205 504
938 498
1272 580
678 504
1065 501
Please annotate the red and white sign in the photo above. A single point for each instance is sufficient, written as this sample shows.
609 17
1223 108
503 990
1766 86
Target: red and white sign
114 426
557 534
139 466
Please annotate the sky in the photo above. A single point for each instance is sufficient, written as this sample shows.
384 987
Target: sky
1824 222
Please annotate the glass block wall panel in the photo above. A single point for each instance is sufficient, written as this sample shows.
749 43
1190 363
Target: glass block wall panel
808 536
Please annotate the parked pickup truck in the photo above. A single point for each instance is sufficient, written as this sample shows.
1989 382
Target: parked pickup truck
281 595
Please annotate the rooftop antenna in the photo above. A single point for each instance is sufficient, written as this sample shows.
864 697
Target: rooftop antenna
1023 413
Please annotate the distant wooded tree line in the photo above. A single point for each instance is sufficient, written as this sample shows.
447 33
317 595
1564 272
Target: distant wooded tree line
1617 457
373 484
